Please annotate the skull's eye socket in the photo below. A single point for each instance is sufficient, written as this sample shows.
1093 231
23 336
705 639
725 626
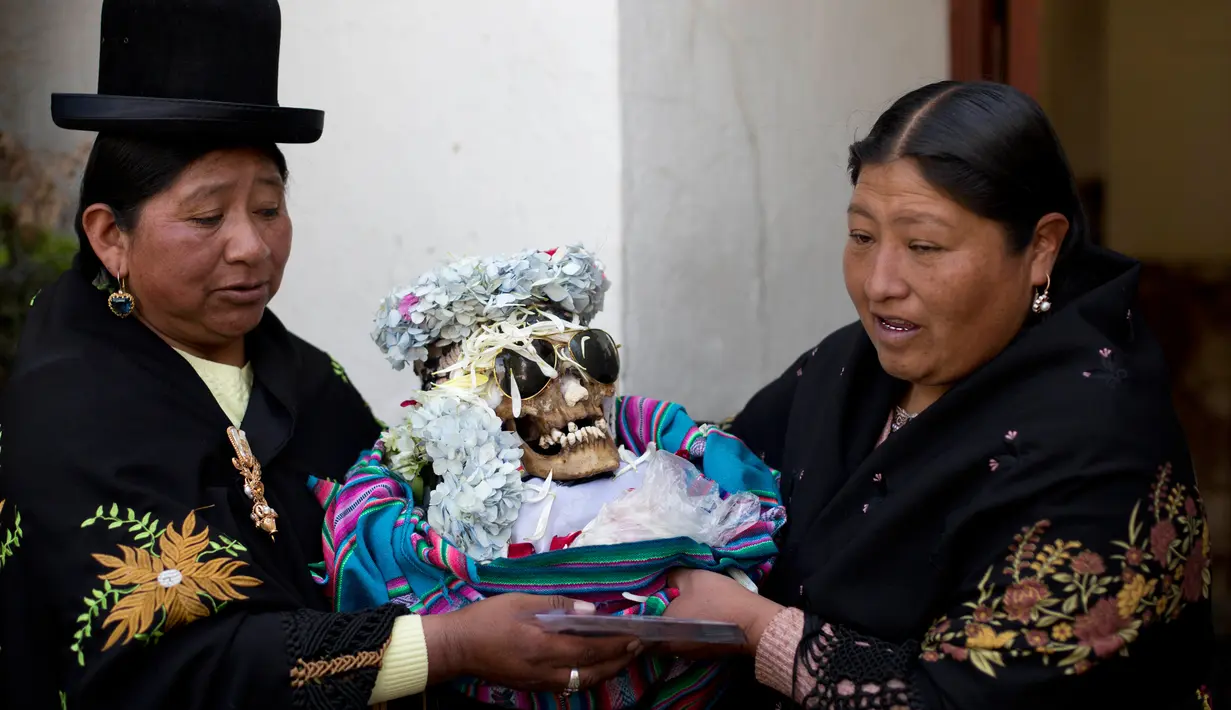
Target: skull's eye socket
527 373
596 352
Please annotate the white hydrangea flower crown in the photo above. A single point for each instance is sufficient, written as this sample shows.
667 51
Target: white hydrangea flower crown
447 304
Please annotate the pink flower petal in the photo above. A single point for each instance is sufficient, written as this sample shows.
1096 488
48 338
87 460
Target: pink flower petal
409 301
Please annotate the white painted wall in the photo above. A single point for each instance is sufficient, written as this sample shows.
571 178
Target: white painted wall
459 127
698 145
737 117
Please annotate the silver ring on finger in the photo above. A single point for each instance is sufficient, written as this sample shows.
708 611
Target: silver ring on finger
574 682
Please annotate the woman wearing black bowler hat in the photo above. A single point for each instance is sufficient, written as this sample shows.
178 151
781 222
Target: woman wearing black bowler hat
160 424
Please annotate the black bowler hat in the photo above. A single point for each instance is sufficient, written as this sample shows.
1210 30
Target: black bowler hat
189 69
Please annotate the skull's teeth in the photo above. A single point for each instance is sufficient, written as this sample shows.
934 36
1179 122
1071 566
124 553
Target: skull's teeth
586 434
575 435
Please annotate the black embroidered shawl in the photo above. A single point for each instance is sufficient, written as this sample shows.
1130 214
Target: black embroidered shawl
1034 539
133 576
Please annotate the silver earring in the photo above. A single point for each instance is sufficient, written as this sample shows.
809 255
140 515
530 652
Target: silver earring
1042 303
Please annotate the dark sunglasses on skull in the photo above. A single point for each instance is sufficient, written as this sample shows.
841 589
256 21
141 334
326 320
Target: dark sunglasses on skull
591 352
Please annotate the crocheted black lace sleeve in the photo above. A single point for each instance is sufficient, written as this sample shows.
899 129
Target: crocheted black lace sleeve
335 657
839 669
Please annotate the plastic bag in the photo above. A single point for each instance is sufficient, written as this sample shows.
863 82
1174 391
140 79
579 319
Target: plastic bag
673 500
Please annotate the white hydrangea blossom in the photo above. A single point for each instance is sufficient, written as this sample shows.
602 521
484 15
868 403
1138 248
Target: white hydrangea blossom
403 454
446 304
480 488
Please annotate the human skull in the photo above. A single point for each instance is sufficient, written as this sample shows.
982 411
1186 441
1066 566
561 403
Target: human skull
566 431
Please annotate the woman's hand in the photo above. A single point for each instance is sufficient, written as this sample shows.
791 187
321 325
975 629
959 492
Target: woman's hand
712 596
499 641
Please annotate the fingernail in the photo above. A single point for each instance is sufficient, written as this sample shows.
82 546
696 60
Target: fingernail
635 648
584 607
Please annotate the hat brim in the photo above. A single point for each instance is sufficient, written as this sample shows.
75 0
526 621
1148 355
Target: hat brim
186 118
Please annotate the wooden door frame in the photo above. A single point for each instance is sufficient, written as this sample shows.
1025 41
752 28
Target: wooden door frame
997 40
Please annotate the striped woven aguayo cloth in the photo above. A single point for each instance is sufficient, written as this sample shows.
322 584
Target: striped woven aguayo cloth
379 548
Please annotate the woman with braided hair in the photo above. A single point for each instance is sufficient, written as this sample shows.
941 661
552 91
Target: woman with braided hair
990 502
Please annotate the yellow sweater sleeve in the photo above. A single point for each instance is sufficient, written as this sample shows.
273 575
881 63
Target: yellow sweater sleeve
404 670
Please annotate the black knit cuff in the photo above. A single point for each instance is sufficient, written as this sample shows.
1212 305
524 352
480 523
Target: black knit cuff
335 657
842 669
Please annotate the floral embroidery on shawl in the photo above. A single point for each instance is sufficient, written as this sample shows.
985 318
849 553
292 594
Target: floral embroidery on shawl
1107 372
145 593
1011 456
11 535
11 539
339 370
1060 599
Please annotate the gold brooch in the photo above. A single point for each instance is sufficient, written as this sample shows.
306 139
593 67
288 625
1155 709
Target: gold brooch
263 516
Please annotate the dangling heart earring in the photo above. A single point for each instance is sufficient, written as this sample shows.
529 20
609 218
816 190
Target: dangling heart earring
122 302
1042 303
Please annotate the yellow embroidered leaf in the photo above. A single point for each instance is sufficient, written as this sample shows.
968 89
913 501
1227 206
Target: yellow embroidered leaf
1070 605
983 660
180 550
1079 654
183 606
1133 528
133 614
137 567
217 578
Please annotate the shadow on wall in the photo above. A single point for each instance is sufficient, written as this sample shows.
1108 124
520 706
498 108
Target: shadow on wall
35 245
